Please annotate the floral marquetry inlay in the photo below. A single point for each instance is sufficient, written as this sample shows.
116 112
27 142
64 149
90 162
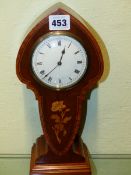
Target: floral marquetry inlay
61 117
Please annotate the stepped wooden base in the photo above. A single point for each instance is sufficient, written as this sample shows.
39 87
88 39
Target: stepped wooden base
42 163
61 169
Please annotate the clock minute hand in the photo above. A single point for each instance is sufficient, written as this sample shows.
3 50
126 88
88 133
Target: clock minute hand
51 71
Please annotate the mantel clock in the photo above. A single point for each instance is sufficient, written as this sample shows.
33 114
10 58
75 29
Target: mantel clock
61 62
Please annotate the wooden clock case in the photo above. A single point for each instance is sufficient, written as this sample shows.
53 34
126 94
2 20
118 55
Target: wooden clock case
62 113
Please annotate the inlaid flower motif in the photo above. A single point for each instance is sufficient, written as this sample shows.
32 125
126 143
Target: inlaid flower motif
58 106
60 118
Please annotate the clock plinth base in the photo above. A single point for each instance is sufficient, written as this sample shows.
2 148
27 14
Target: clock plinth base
45 163
61 169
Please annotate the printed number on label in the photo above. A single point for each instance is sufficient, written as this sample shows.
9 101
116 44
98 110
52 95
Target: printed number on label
59 22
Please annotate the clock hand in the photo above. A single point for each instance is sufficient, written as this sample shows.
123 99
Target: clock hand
51 71
58 64
63 52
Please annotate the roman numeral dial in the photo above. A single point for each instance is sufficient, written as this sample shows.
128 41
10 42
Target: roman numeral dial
59 61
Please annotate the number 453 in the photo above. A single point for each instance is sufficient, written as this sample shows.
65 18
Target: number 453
59 22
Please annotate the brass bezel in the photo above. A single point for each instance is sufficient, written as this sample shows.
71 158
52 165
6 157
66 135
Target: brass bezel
57 33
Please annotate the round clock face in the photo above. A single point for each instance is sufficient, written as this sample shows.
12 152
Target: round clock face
59 61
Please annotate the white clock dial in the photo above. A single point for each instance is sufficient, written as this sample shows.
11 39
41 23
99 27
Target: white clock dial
59 61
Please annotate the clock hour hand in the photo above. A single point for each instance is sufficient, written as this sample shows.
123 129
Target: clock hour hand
63 52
